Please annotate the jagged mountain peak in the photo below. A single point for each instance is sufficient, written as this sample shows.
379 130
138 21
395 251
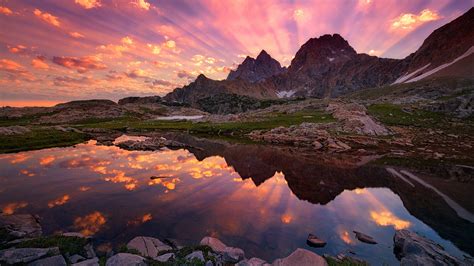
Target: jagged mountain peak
255 70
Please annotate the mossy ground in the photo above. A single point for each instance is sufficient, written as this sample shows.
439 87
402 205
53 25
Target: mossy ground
70 245
39 138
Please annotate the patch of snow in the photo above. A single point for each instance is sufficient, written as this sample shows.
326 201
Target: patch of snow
406 77
126 138
331 59
179 117
434 70
285 94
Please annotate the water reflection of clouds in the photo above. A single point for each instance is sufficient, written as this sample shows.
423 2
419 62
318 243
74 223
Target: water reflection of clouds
59 201
11 208
90 224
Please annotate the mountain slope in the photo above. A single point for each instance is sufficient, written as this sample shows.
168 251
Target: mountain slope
255 70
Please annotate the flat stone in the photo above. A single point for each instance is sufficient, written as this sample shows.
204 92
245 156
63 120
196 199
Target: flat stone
76 258
314 241
413 249
25 255
165 257
301 257
253 262
89 262
148 246
125 259
365 238
195 255
21 225
57 260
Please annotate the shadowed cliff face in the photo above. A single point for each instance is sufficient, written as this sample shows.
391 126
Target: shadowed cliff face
320 178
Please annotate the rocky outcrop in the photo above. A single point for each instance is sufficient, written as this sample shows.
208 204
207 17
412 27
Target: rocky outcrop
125 259
230 254
20 225
150 144
304 135
255 70
77 111
148 246
140 100
354 119
413 249
301 257
25 255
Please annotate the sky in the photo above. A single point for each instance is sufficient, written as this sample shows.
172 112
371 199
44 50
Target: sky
54 51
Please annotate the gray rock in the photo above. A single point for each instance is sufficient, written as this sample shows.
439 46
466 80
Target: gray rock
14 130
125 259
209 263
148 246
75 234
253 262
89 262
25 255
413 249
230 254
57 260
195 255
165 257
76 258
301 257
365 238
21 225
89 251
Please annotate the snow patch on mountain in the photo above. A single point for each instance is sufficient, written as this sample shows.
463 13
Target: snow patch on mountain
407 77
285 94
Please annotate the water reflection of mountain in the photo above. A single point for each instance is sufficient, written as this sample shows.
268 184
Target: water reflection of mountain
320 178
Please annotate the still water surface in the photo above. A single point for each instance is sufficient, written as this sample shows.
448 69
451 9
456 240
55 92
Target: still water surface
106 192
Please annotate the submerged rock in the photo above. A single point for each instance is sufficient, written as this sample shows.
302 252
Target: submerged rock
25 255
301 257
314 241
148 246
20 225
230 254
125 259
365 238
413 249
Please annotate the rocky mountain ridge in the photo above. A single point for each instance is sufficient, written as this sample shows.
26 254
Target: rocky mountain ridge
258 69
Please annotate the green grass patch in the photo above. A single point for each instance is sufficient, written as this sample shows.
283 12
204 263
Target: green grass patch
71 245
38 139
394 115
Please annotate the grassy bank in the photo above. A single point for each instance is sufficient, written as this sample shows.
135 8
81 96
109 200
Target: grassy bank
39 138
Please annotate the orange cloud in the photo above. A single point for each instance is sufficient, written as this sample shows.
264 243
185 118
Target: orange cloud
81 64
142 4
145 218
76 35
48 160
19 49
155 49
286 218
5 11
127 40
10 208
27 173
90 224
10 66
409 21
47 17
84 189
386 218
130 183
88 4
39 63
59 201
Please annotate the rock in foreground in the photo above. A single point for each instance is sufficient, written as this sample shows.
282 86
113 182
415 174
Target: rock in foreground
148 246
301 257
231 254
126 259
20 225
413 249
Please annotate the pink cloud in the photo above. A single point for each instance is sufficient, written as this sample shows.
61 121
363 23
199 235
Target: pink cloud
88 4
47 17
82 64
5 11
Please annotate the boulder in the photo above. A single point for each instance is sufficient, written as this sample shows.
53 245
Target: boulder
195 255
76 258
301 257
25 255
57 260
230 254
413 249
75 234
365 238
21 225
253 262
148 246
89 262
164 257
125 259
314 241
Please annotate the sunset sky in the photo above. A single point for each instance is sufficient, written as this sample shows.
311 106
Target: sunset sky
59 50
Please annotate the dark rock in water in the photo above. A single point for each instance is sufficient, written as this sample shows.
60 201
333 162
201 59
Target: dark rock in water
365 238
25 255
413 249
20 226
158 177
314 241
